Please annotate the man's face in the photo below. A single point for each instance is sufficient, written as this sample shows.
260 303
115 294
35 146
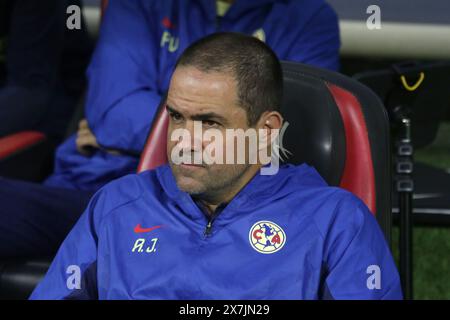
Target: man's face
212 99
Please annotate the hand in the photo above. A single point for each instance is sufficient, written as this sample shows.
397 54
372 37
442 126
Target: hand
86 141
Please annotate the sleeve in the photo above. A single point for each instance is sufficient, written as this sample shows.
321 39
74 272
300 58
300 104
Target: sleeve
359 264
123 92
318 42
72 274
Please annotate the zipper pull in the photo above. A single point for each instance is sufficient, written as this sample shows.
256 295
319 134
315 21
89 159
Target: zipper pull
208 228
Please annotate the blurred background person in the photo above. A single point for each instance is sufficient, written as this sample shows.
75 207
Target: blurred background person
43 74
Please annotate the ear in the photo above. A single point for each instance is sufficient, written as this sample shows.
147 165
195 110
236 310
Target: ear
270 120
271 123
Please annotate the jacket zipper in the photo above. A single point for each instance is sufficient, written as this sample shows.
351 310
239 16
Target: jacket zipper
208 228
209 225
211 218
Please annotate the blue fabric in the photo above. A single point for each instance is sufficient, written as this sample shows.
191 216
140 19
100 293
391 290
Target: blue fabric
139 44
76 171
331 244
35 218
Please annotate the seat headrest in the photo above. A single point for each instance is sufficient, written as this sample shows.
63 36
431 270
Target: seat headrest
311 111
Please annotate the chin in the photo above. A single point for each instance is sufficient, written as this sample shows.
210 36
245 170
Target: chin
189 185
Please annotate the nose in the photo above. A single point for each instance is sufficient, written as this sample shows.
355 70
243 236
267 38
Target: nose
191 139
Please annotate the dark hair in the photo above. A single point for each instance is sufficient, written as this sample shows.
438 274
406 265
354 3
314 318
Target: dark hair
251 62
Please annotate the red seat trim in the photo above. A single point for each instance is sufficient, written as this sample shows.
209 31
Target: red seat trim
358 176
17 142
154 154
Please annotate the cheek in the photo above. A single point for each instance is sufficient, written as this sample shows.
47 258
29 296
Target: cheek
173 139
169 146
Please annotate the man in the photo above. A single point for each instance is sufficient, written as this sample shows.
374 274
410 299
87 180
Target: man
138 47
198 230
139 44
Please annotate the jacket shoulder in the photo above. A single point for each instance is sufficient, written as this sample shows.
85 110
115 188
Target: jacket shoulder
120 192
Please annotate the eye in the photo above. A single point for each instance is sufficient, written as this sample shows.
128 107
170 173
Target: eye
210 123
175 116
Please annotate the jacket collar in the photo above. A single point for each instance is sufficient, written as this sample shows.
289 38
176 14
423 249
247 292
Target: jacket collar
261 190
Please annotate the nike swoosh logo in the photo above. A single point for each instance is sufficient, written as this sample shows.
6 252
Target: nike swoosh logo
139 229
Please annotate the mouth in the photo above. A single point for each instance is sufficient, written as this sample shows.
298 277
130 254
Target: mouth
190 166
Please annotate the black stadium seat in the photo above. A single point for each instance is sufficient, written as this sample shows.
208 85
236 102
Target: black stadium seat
336 124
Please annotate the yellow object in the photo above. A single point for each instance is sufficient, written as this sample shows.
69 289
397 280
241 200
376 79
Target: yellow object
260 34
222 8
415 86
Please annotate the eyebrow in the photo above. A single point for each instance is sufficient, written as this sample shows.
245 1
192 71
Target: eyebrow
202 116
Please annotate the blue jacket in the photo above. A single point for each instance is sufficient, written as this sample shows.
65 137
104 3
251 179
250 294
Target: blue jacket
139 43
286 236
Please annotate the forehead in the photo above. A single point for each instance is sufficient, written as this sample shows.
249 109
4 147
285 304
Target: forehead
191 88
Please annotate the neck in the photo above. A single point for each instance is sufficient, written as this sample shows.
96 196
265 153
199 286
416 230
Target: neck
213 200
